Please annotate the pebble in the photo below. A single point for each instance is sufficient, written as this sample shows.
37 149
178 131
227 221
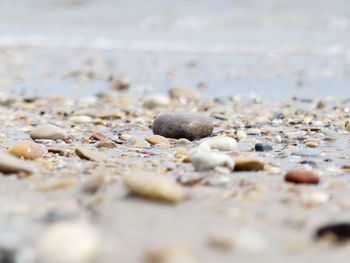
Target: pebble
48 132
154 186
27 150
312 144
98 136
118 83
208 160
87 154
221 143
183 94
187 125
277 139
156 102
10 164
302 177
107 143
69 242
249 164
338 232
241 135
263 147
80 119
157 140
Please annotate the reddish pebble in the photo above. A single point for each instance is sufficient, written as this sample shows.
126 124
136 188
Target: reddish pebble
302 177
98 136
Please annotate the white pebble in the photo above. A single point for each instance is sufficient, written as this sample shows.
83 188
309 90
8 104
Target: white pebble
206 160
73 242
221 143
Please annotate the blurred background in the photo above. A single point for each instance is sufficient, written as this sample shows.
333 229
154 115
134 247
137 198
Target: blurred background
271 48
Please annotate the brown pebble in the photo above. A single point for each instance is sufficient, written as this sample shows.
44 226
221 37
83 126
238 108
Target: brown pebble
302 177
27 150
87 154
106 144
249 164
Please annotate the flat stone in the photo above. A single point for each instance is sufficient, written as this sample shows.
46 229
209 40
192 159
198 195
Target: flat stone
48 132
153 186
157 140
27 150
10 164
191 126
302 177
87 154
263 147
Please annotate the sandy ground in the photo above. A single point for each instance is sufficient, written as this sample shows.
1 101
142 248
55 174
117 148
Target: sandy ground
245 59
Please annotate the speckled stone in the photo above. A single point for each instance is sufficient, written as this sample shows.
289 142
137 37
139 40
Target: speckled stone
191 126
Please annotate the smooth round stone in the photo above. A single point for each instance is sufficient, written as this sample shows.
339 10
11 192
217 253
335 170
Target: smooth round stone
48 132
263 147
302 177
191 126
27 150
10 164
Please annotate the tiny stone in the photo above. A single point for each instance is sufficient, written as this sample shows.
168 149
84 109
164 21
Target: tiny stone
249 164
98 136
156 101
263 147
183 94
311 144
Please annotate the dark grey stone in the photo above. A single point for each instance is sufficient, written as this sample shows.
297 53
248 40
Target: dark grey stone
187 125
263 147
